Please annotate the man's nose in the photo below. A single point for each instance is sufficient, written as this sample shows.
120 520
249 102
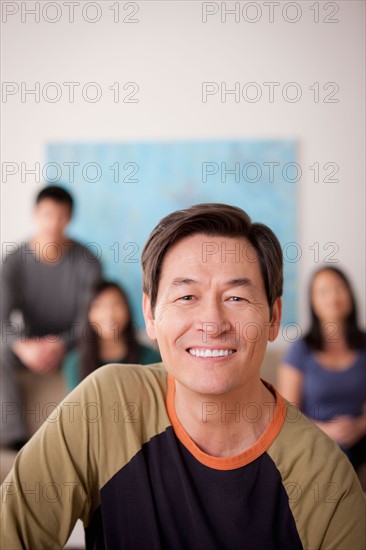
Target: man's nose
213 319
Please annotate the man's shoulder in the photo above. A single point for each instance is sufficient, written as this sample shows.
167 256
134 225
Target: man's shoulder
126 405
302 434
124 369
120 390
303 452
127 380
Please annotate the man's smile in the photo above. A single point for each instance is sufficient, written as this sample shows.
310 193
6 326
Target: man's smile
210 352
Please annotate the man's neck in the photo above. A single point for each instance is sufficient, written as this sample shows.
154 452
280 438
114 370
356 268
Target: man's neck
225 425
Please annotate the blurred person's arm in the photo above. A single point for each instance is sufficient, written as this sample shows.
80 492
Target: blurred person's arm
345 430
47 353
10 298
290 383
290 374
51 349
40 354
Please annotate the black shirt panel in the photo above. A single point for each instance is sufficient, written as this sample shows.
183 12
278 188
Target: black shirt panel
165 498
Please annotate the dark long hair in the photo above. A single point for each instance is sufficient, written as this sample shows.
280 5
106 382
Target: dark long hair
88 346
353 334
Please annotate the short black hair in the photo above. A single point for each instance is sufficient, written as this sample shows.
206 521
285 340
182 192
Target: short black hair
212 219
57 194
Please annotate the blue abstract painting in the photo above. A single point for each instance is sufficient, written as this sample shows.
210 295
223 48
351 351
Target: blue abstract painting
122 190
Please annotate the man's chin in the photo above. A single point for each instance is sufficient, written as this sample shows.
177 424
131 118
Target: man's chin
212 387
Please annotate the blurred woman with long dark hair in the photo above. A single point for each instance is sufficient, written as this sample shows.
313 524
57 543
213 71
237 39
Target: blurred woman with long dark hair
324 373
109 336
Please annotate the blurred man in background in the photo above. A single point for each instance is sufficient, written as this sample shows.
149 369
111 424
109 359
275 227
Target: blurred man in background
47 279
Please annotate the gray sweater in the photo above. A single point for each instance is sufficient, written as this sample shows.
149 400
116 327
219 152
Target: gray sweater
52 297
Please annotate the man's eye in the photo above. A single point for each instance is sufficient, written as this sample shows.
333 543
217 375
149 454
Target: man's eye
237 299
187 298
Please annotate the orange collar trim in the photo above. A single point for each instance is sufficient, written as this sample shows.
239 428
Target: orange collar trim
235 461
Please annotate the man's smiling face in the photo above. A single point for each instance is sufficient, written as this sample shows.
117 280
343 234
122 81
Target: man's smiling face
212 319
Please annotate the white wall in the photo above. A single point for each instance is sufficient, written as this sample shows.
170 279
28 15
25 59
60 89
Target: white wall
169 53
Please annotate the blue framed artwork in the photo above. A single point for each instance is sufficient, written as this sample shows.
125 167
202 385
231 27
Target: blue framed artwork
122 190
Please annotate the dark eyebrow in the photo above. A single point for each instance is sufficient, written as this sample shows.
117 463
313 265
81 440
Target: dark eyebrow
178 281
183 281
239 282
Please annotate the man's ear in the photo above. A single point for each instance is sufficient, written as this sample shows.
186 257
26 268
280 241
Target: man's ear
148 316
274 327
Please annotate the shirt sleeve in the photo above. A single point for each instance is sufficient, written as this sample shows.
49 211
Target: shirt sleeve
296 355
325 495
58 476
54 480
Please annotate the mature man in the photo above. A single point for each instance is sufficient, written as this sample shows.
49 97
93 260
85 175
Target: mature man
195 452
47 279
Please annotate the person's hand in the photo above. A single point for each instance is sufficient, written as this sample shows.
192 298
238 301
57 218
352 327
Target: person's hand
41 354
345 430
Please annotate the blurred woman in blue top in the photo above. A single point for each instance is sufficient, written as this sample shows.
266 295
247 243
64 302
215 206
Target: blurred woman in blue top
324 373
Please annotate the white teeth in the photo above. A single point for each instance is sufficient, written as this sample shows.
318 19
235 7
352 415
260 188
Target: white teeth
210 352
